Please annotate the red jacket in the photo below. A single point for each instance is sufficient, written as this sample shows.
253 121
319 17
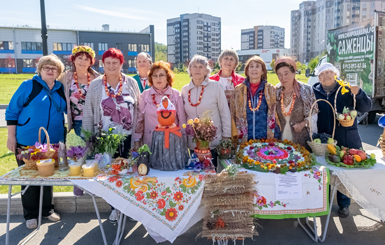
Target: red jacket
236 79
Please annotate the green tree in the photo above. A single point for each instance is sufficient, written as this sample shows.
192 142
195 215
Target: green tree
313 63
160 52
272 64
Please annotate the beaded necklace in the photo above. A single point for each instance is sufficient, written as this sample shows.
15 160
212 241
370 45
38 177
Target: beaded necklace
259 103
200 97
77 83
291 106
120 86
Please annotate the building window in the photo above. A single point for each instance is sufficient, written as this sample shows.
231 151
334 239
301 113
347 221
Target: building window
63 46
7 62
6 45
132 47
131 63
144 47
119 46
31 46
30 62
91 45
103 47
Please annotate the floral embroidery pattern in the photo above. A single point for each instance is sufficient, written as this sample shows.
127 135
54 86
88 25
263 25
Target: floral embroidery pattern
316 174
77 100
167 201
261 202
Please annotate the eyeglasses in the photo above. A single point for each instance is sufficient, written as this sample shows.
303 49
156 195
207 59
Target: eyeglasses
325 74
47 68
156 76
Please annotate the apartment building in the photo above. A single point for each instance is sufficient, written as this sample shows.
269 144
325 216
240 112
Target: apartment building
311 22
263 37
21 47
191 34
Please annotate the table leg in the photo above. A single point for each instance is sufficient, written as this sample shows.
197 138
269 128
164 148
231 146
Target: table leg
313 236
40 215
122 230
334 190
8 214
98 215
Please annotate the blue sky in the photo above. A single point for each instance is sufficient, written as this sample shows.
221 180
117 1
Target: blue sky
136 15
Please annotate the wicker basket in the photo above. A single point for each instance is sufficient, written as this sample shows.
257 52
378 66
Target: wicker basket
31 164
319 149
344 123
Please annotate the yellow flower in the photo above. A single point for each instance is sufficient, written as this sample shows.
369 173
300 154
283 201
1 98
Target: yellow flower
190 121
196 120
183 125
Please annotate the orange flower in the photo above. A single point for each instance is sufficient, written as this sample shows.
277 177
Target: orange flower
171 214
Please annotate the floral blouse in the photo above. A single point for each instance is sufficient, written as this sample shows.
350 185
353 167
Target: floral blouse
77 100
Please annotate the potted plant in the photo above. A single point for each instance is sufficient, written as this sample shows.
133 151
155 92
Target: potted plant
224 149
203 132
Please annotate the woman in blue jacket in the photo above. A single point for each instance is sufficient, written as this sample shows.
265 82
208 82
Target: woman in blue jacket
38 102
345 136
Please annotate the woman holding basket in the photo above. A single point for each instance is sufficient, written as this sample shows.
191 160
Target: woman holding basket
346 136
38 102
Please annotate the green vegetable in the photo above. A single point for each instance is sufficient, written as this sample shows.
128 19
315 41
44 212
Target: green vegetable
144 148
74 140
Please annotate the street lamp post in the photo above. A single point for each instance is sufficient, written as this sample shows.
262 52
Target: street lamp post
44 34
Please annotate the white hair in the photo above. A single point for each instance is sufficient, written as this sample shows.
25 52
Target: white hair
228 52
326 67
147 55
200 60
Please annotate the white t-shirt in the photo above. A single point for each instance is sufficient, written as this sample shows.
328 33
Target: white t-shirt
117 112
226 83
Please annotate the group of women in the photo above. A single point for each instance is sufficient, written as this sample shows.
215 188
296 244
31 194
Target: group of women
242 108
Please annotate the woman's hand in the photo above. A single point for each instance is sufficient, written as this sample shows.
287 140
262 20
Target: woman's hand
11 143
354 89
299 126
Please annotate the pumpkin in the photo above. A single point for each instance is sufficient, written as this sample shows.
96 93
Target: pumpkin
142 169
165 117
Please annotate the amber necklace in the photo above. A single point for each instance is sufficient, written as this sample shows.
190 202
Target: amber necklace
291 106
200 97
259 103
77 83
120 86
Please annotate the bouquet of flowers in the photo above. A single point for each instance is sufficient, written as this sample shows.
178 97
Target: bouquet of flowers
201 129
30 154
77 152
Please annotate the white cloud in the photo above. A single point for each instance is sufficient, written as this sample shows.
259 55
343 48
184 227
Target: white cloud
126 15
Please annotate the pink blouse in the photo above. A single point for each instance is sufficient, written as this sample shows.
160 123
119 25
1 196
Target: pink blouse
147 116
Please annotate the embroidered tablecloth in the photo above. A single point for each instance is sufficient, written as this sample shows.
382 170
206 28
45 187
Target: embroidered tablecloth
365 186
314 200
164 202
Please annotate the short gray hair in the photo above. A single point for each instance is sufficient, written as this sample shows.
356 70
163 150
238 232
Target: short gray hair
228 52
147 55
200 60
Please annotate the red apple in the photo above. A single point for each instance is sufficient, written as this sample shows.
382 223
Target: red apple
362 154
353 152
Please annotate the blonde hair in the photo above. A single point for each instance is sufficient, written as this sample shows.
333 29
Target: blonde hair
258 60
52 60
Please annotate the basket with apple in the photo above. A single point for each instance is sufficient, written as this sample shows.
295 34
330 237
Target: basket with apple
349 158
347 117
319 142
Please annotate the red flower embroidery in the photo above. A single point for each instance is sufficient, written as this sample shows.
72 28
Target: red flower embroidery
177 178
171 214
139 196
181 207
201 177
178 196
153 194
119 183
161 203
163 193
113 179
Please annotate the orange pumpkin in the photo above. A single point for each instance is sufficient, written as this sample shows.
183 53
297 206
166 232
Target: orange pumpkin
166 118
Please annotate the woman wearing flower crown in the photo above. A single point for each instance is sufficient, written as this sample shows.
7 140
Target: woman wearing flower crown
112 102
253 104
76 82
294 101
